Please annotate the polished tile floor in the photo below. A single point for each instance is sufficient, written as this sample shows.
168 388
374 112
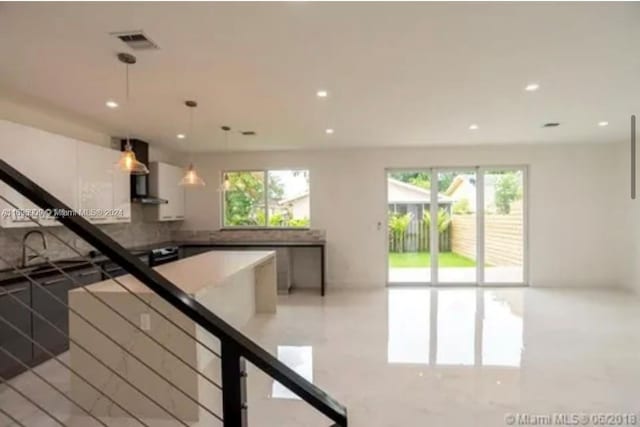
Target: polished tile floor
427 357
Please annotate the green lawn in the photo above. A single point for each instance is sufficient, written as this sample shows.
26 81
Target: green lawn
423 259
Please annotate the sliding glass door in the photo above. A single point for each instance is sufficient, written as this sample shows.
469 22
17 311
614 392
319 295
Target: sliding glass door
504 225
408 205
457 226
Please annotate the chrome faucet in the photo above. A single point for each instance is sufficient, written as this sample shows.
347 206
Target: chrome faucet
25 258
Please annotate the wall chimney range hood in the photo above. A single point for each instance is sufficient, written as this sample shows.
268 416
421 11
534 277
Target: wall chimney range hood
140 183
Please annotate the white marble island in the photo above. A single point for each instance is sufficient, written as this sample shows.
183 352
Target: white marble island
232 284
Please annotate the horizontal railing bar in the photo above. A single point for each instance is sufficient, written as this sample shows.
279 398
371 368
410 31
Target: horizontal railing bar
177 297
11 417
115 279
104 334
43 379
103 302
73 371
33 402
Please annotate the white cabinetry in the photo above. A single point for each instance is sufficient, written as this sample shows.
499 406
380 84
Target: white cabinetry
164 183
103 189
47 159
81 175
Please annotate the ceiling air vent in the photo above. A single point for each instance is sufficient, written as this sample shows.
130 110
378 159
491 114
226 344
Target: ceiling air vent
551 125
136 40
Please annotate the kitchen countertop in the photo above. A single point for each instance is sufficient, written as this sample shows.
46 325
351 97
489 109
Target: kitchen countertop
9 276
192 274
313 242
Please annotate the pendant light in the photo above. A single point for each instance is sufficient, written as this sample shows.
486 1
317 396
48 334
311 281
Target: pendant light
226 184
191 178
128 162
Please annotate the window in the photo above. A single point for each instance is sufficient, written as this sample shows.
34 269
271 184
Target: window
274 198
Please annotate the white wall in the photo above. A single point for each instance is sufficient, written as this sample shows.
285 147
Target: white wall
632 209
577 193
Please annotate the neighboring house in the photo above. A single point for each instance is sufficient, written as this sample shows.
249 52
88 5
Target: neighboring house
297 206
464 187
403 198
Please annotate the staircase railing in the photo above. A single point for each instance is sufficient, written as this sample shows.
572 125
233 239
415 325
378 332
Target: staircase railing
235 347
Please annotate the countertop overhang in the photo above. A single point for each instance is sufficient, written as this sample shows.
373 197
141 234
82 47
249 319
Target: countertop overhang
192 274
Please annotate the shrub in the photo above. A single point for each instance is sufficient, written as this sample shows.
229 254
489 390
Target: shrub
462 207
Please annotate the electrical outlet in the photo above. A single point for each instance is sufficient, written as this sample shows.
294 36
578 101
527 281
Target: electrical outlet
145 322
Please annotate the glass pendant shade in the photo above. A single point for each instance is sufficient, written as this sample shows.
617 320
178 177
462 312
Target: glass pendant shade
191 178
129 163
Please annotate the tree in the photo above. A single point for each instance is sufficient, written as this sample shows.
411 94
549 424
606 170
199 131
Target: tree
244 199
507 191
419 179
462 207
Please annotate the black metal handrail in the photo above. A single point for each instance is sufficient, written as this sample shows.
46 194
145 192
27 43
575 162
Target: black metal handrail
235 346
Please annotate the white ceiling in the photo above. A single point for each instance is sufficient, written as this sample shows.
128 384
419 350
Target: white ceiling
399 74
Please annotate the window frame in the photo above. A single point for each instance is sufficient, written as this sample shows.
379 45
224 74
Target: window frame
265 177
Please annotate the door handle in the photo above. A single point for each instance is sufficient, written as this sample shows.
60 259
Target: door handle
12 291
633 157
54 281
87 273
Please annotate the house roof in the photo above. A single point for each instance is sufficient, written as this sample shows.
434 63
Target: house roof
404 192
397 192
294 198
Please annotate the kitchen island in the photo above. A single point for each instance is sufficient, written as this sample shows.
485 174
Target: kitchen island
234 285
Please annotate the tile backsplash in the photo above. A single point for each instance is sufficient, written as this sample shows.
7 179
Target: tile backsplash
136 233
260 235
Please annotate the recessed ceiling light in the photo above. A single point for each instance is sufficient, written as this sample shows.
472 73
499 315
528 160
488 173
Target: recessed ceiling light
473 127
603 124
322 94
532 87
181 136
111 104
329 131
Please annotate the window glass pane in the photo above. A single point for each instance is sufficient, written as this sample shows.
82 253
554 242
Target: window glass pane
408 201
288 198
503 226
456 226
244 199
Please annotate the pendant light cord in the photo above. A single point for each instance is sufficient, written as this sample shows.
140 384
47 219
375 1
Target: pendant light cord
127 110
190 134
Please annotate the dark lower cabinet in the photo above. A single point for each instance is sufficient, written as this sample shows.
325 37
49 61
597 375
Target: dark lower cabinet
87 276
19 317
55 313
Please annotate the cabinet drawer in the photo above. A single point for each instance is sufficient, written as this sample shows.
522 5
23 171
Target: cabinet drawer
20 317
87 276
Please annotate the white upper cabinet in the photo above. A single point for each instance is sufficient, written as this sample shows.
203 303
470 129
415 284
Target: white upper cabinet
82 175
47 159
103 189
164 183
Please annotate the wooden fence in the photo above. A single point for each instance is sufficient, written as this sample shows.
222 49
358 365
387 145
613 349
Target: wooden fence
503 238
416 238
